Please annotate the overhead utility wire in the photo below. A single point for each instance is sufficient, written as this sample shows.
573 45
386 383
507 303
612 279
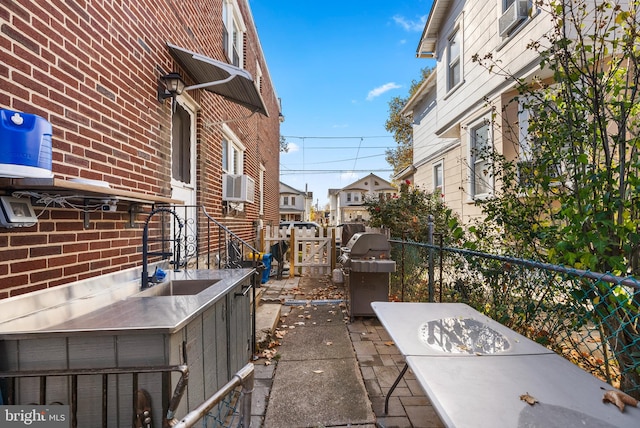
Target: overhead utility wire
327 171
336 138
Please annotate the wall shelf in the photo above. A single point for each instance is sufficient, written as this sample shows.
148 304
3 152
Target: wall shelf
86 191
81 190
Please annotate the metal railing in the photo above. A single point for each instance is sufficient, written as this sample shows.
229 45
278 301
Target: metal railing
230 406
108 412
592 319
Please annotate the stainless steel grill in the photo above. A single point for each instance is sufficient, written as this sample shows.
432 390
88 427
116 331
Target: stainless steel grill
366 265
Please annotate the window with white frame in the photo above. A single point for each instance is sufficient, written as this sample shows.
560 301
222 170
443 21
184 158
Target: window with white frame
293 200
525 145
348 196
438 178
454 65
263 170
232 153
528 147
285 200
233 32
480 146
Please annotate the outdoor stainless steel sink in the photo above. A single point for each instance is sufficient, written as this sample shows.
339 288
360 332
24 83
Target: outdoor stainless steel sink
462 336
178 287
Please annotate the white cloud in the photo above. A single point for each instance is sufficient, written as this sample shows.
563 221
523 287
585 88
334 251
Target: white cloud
411 25
381 90
350 176
293 147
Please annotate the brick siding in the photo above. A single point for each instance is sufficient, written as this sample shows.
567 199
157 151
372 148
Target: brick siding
91 69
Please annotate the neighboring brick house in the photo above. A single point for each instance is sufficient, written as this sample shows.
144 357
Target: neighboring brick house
93 70
295 205
347 204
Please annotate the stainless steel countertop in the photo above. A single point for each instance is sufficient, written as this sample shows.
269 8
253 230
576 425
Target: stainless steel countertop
128 313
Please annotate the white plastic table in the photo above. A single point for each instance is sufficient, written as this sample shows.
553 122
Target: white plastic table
474 371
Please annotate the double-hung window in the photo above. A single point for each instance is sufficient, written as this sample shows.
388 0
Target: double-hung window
481 175
525 145
454 67
438 178
233 32
232 153
534 160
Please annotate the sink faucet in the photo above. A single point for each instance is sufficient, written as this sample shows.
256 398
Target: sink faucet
145 244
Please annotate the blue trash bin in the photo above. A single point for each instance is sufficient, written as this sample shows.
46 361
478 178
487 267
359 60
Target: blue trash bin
266 259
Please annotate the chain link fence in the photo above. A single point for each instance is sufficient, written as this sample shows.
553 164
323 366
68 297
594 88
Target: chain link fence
592 319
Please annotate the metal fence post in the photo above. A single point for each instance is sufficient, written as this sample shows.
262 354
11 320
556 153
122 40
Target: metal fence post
430 242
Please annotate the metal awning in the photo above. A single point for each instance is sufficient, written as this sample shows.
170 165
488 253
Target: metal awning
233 83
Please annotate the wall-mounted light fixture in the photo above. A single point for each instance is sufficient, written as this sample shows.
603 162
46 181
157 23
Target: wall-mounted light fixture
280 115
172 85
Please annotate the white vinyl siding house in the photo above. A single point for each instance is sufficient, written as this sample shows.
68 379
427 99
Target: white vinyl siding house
295 205
347 204
459 108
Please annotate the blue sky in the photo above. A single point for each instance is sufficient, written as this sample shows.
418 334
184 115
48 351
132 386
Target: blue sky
335 65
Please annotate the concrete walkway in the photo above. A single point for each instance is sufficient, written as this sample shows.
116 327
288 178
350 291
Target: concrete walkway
320 370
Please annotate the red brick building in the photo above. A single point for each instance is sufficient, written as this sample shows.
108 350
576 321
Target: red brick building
94 69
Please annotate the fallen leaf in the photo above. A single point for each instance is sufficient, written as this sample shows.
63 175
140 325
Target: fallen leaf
389 343
528 399
267 363
619 398
318 371
329 343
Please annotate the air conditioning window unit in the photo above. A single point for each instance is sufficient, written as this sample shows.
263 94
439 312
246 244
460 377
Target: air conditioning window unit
238 188
515 14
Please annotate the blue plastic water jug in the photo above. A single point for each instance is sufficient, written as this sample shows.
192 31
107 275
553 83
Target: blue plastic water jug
25 145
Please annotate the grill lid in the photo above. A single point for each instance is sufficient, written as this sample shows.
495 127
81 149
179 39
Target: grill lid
368 245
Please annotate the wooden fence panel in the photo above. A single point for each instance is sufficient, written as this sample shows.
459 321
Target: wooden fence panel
308 254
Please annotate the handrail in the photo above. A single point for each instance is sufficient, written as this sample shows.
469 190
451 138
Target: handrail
245 378
226 229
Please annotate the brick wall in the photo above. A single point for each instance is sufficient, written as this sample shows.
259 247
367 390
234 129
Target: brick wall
91 69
